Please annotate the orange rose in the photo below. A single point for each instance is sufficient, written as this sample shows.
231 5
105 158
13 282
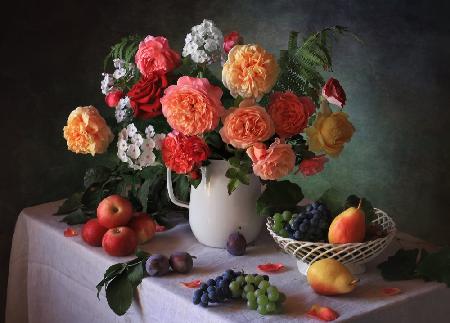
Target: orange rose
193 106
246 125
290 113
250 71
87 132
273 163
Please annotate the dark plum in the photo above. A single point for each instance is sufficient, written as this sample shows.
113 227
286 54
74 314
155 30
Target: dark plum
236 244
181 262
157 265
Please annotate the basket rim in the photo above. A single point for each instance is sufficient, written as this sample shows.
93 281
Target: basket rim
390 234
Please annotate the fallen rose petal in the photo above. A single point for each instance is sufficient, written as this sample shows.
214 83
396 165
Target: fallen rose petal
69 232
391 291
160 228
322 313
192 284
269 267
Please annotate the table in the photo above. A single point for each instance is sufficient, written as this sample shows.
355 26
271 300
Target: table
52 279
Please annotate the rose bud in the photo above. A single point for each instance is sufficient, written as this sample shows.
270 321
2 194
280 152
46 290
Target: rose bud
334 93
230 40
113 97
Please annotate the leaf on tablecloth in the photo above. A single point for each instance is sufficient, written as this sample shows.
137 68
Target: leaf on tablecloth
400 266
192 284
436 266
269 267
391 291
135 274
75 217
69 232
119 294
322 313
71 204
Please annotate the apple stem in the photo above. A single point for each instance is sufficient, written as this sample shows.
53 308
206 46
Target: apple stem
359 204
354 281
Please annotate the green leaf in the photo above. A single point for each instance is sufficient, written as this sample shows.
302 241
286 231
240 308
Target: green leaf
436 266
76 217
235 162
142 254
182 187
110 273
333 198
401 266
231 173
71 204
243 177
278 196
135 274
92 196
119 294
233 184
96 175
143 194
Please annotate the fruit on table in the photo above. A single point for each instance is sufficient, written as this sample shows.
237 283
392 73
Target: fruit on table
144 227
114 211
348 227
330 277
255 289
157 265
93 232
236 244
181 262
119 242
311 224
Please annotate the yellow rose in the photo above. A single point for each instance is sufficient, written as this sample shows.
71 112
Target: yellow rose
330 131
250 71
87 132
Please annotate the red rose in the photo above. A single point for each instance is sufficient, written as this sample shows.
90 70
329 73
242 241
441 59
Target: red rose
184 154
113 97
230 40
145 96
313 165
334 93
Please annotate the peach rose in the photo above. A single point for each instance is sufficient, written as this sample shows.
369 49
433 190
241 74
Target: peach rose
273 163
155 56
250 71
246 125
87 132
193 106
290 113
330 131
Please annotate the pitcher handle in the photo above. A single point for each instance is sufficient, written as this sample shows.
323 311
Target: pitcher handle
172 196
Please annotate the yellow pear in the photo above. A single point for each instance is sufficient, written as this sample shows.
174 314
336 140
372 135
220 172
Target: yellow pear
348 227
329 277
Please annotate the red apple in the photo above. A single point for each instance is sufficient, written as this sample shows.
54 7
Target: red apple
119 242
144 227
92 233
114 211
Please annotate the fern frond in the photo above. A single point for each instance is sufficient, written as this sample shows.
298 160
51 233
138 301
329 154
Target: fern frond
125 49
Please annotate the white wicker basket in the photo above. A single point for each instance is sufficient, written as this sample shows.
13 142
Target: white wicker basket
353 255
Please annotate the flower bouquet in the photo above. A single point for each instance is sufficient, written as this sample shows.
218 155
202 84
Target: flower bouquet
266 118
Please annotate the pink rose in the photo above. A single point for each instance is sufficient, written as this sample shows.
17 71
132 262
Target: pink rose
230 40
113 97
313 165
192 106
155 56
334 93
273 163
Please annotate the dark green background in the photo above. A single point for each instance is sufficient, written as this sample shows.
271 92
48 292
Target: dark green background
397 85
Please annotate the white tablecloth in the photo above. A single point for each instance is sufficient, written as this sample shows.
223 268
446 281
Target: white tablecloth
52 279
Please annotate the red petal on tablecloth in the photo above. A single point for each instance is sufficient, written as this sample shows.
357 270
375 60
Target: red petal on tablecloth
160 228
271 268
192 284
69 232
322 313
391 291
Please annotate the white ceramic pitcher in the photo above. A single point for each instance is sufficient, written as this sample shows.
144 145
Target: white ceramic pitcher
213 214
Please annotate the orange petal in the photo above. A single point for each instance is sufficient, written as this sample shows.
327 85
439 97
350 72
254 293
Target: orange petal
271 268
322 313
69 232
192 284
390 291
160 228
